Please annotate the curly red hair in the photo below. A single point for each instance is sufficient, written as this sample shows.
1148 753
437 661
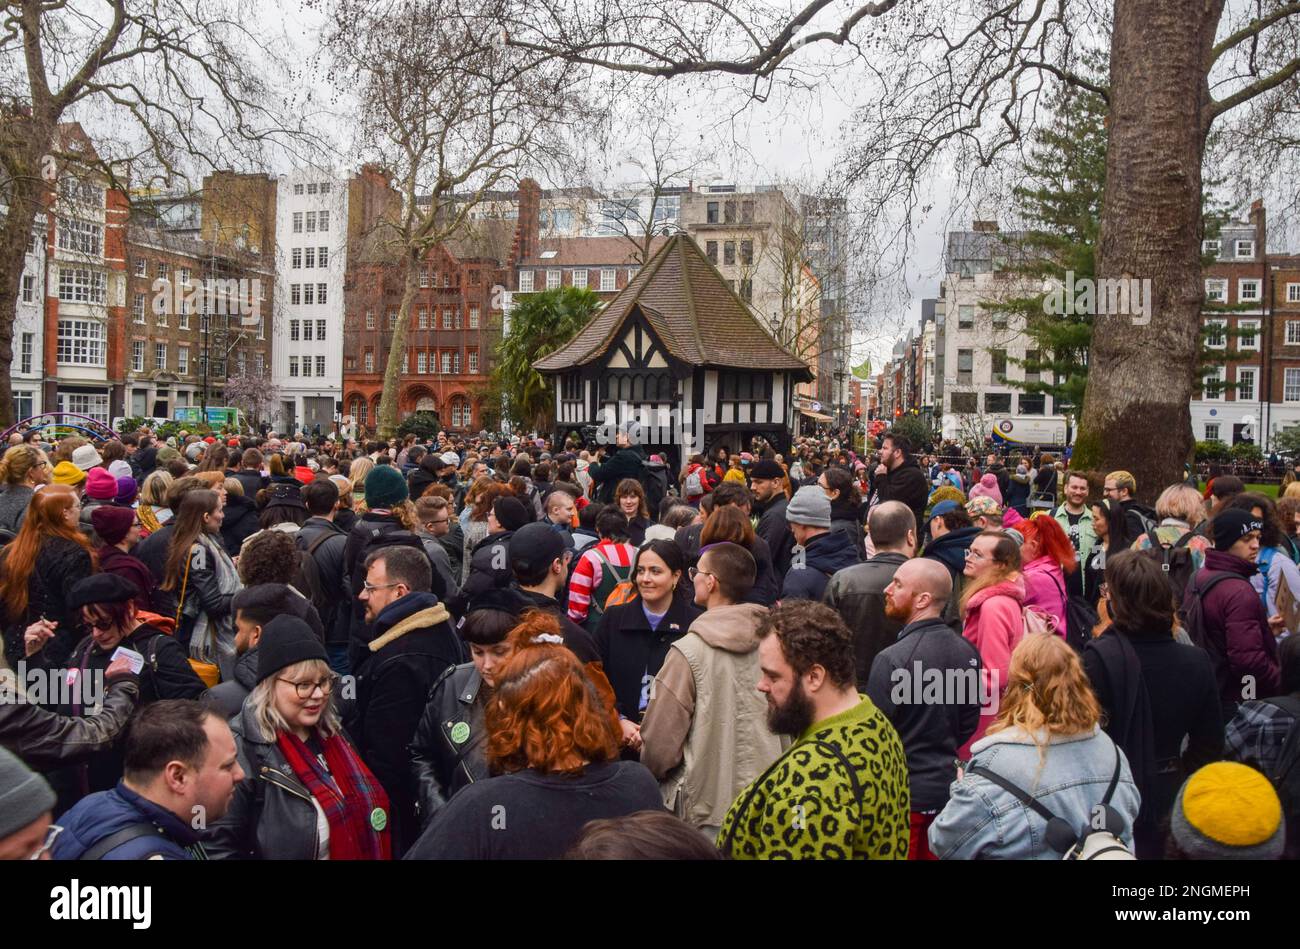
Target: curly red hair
549 712
1052 540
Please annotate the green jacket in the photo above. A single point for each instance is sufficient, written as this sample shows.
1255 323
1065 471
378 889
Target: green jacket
838 793
1087 537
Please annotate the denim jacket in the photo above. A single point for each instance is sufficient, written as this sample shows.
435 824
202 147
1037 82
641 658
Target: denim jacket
983 820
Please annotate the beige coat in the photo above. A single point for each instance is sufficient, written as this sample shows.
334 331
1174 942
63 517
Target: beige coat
705 729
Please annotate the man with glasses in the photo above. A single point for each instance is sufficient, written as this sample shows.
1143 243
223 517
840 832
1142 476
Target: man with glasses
1120 489
411 645
434 515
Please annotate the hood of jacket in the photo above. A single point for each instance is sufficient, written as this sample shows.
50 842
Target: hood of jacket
843 509
831 551
733 628
413 611
1222 561
1012 588
951 547
246 669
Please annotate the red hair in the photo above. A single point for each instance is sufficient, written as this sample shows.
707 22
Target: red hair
549 712
1052 540
45 518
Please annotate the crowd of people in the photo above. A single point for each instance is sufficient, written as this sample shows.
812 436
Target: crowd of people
474 648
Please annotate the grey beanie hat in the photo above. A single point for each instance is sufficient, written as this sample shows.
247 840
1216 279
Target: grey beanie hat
24 794
809 506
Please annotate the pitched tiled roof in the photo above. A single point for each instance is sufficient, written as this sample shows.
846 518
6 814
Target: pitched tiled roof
691 309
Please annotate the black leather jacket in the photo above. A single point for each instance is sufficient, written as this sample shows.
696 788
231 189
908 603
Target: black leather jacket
45 739
441 765
272 815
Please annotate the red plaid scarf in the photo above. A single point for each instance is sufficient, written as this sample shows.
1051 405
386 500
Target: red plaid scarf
353 801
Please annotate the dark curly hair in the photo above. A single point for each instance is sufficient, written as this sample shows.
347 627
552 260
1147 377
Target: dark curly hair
269 557
812 634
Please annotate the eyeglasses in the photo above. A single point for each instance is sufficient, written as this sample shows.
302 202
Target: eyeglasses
372 587
696 571
305 689
441 520
51 835
973 554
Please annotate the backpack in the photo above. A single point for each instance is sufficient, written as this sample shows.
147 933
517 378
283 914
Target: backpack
1286 772
378 540
694 483
1080 620
309 583
1175 560
1089 842
1191 614
611 577
1036 621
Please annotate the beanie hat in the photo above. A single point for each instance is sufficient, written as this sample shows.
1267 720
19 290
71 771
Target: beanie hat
385 487
809 506
1232 525
24 794
1228 811
167 454
286 640
100 485
1011 517
510 512
285 494
65 472
119 469
766 470
193 452
111 522
127 491
86 457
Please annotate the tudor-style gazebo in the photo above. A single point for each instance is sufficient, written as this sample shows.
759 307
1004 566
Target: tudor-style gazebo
678 354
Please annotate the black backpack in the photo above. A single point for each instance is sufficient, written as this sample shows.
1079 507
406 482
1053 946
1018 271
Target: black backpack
309 583
378 539
1191 613
1286 773
1175 560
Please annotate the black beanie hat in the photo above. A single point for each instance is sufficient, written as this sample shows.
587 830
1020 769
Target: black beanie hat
511 513
1230 525
286 640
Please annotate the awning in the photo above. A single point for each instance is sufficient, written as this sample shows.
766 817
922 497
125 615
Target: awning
818 416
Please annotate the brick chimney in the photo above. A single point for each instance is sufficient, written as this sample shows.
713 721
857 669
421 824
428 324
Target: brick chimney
528 229
1257 218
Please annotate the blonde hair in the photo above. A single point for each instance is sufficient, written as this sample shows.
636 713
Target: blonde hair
18 462
261 702
1292 490
154 489
1047 691
1183 502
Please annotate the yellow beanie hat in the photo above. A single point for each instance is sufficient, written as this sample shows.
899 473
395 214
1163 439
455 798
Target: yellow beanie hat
1228 809
65 472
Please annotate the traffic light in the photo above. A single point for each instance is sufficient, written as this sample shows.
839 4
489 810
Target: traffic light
857 413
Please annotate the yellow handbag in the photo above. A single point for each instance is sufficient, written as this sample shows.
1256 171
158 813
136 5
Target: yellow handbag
209 672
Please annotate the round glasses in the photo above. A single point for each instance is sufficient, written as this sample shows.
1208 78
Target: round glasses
305 690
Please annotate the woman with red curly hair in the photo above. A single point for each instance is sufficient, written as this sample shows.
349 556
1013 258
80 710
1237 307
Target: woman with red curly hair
1048 556
553 738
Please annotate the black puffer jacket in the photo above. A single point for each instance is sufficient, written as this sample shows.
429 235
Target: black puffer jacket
329 558
775 530
626 463
632 653
239 524
60 563
227 698
846 517
906 483
483 575
447 752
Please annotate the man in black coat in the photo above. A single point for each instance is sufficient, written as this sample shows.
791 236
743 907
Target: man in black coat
539 561
411 645
326 543
767 483
900 478
626 463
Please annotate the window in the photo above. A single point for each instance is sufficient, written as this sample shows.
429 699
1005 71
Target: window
23 404
746 212
965 366
525 281
29 288
729 252
747 290
460 319
1213 384
28 351
311 222
309 258
392 319
295 332
1033 403
137 308
446 362
1211 431
259 362
965 317
999 402
578 278
446 318
370 319
295 259
607 279
78 285
1245 249
295 293
1246 383
293 367
307 333
320 292
1032 358
965 402
998 371
1248 291
728 212
311 188
424 318
183 360
324 187
474 278
324 220
552 279
320 331
424 277
322 256
160 355
712 212
1293 293
455 362
320 365
163 269
137 355
297 222
711 251
422 362
1216 291
474 308
94 404
460 414
183 276
141 267
1210 248
472 358
297 189
746 252
370 361
80 237
309 293
446 280
1248 334
241 361
81 343
1215 335
999 319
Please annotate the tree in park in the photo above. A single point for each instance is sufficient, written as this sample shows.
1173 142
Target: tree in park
449 112
959 87
540 323
168 89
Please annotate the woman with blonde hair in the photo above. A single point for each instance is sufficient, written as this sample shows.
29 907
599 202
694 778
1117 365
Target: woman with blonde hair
152 512
1181 510
1292 490
357 473
1045 752
307 794
23 469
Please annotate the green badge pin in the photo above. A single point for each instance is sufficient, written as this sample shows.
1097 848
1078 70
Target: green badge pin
460 733
378 819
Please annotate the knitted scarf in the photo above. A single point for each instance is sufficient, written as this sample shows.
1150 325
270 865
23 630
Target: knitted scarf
353 801
213 638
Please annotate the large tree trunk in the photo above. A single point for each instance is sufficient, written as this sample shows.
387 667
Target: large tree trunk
387 421
1141 377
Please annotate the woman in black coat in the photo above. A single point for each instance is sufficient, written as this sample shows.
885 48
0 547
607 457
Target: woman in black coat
634 637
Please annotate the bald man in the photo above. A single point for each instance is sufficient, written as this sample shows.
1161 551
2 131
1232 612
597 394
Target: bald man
928 684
